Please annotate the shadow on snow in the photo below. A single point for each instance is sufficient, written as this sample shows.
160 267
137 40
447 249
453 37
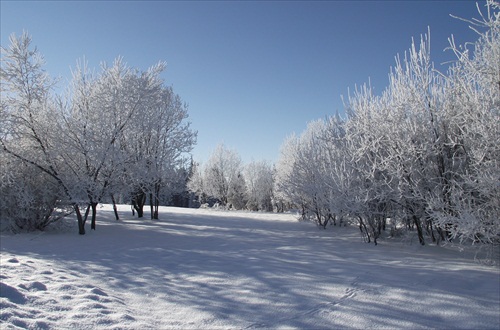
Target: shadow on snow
255 273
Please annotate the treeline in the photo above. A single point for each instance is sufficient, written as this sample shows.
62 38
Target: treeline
120 133
423 156
224 181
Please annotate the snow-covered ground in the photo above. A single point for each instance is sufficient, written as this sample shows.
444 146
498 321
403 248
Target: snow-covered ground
209 269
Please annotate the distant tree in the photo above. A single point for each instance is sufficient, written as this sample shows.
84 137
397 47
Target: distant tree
284 191
221 178
237 197
222 173
195 183
174 191
259 186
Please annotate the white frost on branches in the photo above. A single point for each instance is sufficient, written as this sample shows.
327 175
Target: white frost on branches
424 154
118 128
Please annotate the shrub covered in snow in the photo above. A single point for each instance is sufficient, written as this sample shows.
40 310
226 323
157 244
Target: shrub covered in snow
424 153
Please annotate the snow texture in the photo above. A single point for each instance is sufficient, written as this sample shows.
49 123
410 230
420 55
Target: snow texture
237 270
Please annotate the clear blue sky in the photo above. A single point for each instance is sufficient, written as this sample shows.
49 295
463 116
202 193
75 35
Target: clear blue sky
251 72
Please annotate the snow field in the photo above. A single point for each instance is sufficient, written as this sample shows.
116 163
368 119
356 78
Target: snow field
236 270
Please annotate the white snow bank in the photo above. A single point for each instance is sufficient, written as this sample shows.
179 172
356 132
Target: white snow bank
236 270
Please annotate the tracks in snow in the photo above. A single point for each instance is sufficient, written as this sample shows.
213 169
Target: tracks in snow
360 288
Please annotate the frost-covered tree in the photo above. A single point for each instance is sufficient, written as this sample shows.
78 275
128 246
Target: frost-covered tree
30 195
221 179
84 142
390 141
470 210
88 134
196 182
237 195
284 192
423 154
301 173
223 173
30 199
97 115
155 144
259 186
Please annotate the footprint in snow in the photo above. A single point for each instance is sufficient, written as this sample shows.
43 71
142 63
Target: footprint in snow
349 293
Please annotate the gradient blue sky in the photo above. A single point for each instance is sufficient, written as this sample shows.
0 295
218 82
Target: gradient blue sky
251 72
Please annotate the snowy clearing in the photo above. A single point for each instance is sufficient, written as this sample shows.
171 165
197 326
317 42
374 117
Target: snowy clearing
236 270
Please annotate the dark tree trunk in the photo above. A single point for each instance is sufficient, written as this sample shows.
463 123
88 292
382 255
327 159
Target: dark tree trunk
86 216
375 227
441 233
334 219
430 229
156 207
364 230
155 212
303 212
325 222
318 216
151 204
138 202
81 224
420 233
140 211
114 207
94 214
156 201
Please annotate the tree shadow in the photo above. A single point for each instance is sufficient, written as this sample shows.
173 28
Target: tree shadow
245 272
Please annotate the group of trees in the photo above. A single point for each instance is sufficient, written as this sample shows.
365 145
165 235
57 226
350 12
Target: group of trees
225 180
119 133
424 155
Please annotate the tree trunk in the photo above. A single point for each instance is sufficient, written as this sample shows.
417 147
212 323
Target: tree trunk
140 211
155 213
156 201
151 202
364 230
94 214
138 202
86 214
431 230
419 230
114 207
318 216
325 222
81 224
